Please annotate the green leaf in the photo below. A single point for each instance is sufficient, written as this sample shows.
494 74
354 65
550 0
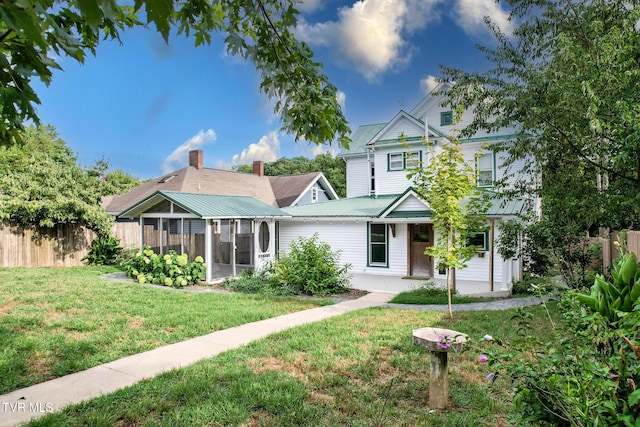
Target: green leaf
90 12
634 398
629 268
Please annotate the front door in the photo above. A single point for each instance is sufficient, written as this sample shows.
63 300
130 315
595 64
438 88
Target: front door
420 237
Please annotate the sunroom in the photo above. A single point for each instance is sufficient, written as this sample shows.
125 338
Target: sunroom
231 233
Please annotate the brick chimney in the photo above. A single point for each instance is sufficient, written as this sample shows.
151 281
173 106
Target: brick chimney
195 159
258 167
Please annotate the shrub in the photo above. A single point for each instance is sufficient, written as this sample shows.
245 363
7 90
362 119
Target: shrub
104 251
170 270
258 282
311 267
588 371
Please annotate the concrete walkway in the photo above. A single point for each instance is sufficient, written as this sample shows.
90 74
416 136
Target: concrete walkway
22 405
25 404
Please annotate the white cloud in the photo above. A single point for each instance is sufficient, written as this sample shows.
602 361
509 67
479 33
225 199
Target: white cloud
428 84
470 14
309 6
369 36
342 99
267 150
180 156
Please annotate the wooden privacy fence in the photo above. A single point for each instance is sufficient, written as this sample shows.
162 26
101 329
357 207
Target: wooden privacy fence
61 246
609 249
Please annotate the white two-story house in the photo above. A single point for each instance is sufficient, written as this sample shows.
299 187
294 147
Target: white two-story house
383 227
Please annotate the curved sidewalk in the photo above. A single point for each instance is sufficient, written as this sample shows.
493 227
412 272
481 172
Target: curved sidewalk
28 403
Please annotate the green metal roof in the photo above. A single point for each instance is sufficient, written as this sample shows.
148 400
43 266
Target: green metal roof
375 207
209 205
367 206
360 138
502 206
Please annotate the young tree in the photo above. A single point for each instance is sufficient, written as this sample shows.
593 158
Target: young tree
257 30
447 183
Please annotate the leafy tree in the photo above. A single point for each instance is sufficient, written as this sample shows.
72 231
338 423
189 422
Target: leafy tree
448 185
568 77
334 169
257 30
41 184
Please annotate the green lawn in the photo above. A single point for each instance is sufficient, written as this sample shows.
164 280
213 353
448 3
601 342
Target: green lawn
358 369
57 321
433 295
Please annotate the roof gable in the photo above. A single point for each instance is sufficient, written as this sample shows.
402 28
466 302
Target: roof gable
432 100
407 205
289 189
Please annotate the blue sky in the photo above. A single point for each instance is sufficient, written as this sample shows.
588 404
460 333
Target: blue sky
143 105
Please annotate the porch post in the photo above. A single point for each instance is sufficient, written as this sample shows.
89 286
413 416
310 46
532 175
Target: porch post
491 252
232 227
208 254
141 232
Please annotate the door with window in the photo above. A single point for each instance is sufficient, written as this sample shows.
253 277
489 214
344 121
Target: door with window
420 237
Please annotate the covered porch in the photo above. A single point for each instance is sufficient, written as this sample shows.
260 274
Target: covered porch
231 233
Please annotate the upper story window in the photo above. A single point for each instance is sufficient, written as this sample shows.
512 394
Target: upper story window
403 161
485 170
412 159
446 118
395 161
372 175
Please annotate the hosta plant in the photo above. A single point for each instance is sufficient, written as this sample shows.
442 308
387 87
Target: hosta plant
612 298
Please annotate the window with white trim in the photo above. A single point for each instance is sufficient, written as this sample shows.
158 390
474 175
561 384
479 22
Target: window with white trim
378 245
480 240
404 160
396 161
485 170
412 159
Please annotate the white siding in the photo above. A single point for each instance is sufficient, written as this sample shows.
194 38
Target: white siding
477 269
351 239
390 182
410 204
402 127
358 176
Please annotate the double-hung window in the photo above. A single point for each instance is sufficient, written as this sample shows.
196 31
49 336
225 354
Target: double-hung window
404 160
485 170
412 159
378 245
396 161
